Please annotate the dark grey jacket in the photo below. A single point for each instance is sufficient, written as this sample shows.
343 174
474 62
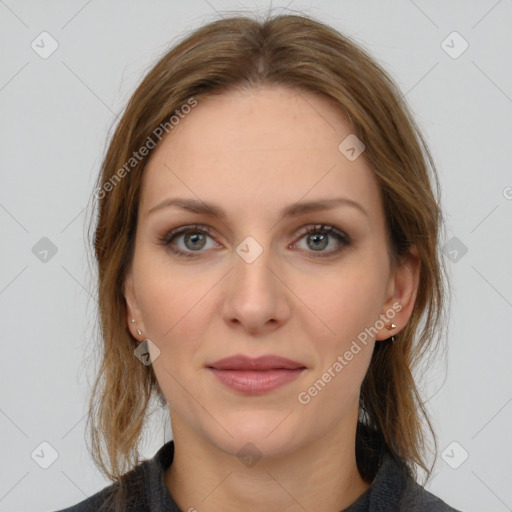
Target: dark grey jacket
392 490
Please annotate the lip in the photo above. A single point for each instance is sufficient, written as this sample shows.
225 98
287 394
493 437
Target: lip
241 362
256 375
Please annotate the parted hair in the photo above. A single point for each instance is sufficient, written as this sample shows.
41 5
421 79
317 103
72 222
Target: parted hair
307 55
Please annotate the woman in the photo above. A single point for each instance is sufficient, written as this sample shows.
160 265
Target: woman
267 243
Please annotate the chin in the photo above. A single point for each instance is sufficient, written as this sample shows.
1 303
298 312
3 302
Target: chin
265 434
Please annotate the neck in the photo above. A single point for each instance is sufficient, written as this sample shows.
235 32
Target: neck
321 475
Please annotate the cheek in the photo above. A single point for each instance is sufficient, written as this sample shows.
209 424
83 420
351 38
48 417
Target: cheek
169 309
174 312
340 304
344 303
173 303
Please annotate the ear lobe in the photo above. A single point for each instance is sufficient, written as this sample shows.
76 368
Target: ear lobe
404 285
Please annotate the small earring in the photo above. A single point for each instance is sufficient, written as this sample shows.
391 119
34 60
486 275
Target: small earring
139 332
133 320
390 327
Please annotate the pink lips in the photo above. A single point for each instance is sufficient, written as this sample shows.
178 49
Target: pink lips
256 375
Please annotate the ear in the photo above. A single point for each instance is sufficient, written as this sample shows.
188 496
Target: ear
401 295
132 308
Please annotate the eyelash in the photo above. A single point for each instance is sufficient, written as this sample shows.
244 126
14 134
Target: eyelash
340 236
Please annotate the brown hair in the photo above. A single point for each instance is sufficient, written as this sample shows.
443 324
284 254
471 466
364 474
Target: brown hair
306 55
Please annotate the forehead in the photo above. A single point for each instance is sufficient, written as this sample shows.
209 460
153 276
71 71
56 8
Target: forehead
259 149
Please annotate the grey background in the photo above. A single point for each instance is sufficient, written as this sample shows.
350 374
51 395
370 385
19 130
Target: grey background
56 116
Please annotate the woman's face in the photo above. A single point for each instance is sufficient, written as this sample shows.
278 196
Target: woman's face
257 283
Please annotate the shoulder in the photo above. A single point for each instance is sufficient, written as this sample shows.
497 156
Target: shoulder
415 498
422 500
101 501
395 490
140 489
130 492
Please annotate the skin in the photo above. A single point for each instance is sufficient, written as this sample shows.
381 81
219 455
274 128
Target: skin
252 153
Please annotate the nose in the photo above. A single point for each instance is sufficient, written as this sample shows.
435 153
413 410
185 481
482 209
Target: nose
257 298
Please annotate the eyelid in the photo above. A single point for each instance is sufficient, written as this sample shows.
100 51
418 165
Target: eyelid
169 235
342 237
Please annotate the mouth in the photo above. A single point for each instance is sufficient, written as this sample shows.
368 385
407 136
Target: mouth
263 363
256 375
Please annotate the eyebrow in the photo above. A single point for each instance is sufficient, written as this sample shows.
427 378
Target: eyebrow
293 210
